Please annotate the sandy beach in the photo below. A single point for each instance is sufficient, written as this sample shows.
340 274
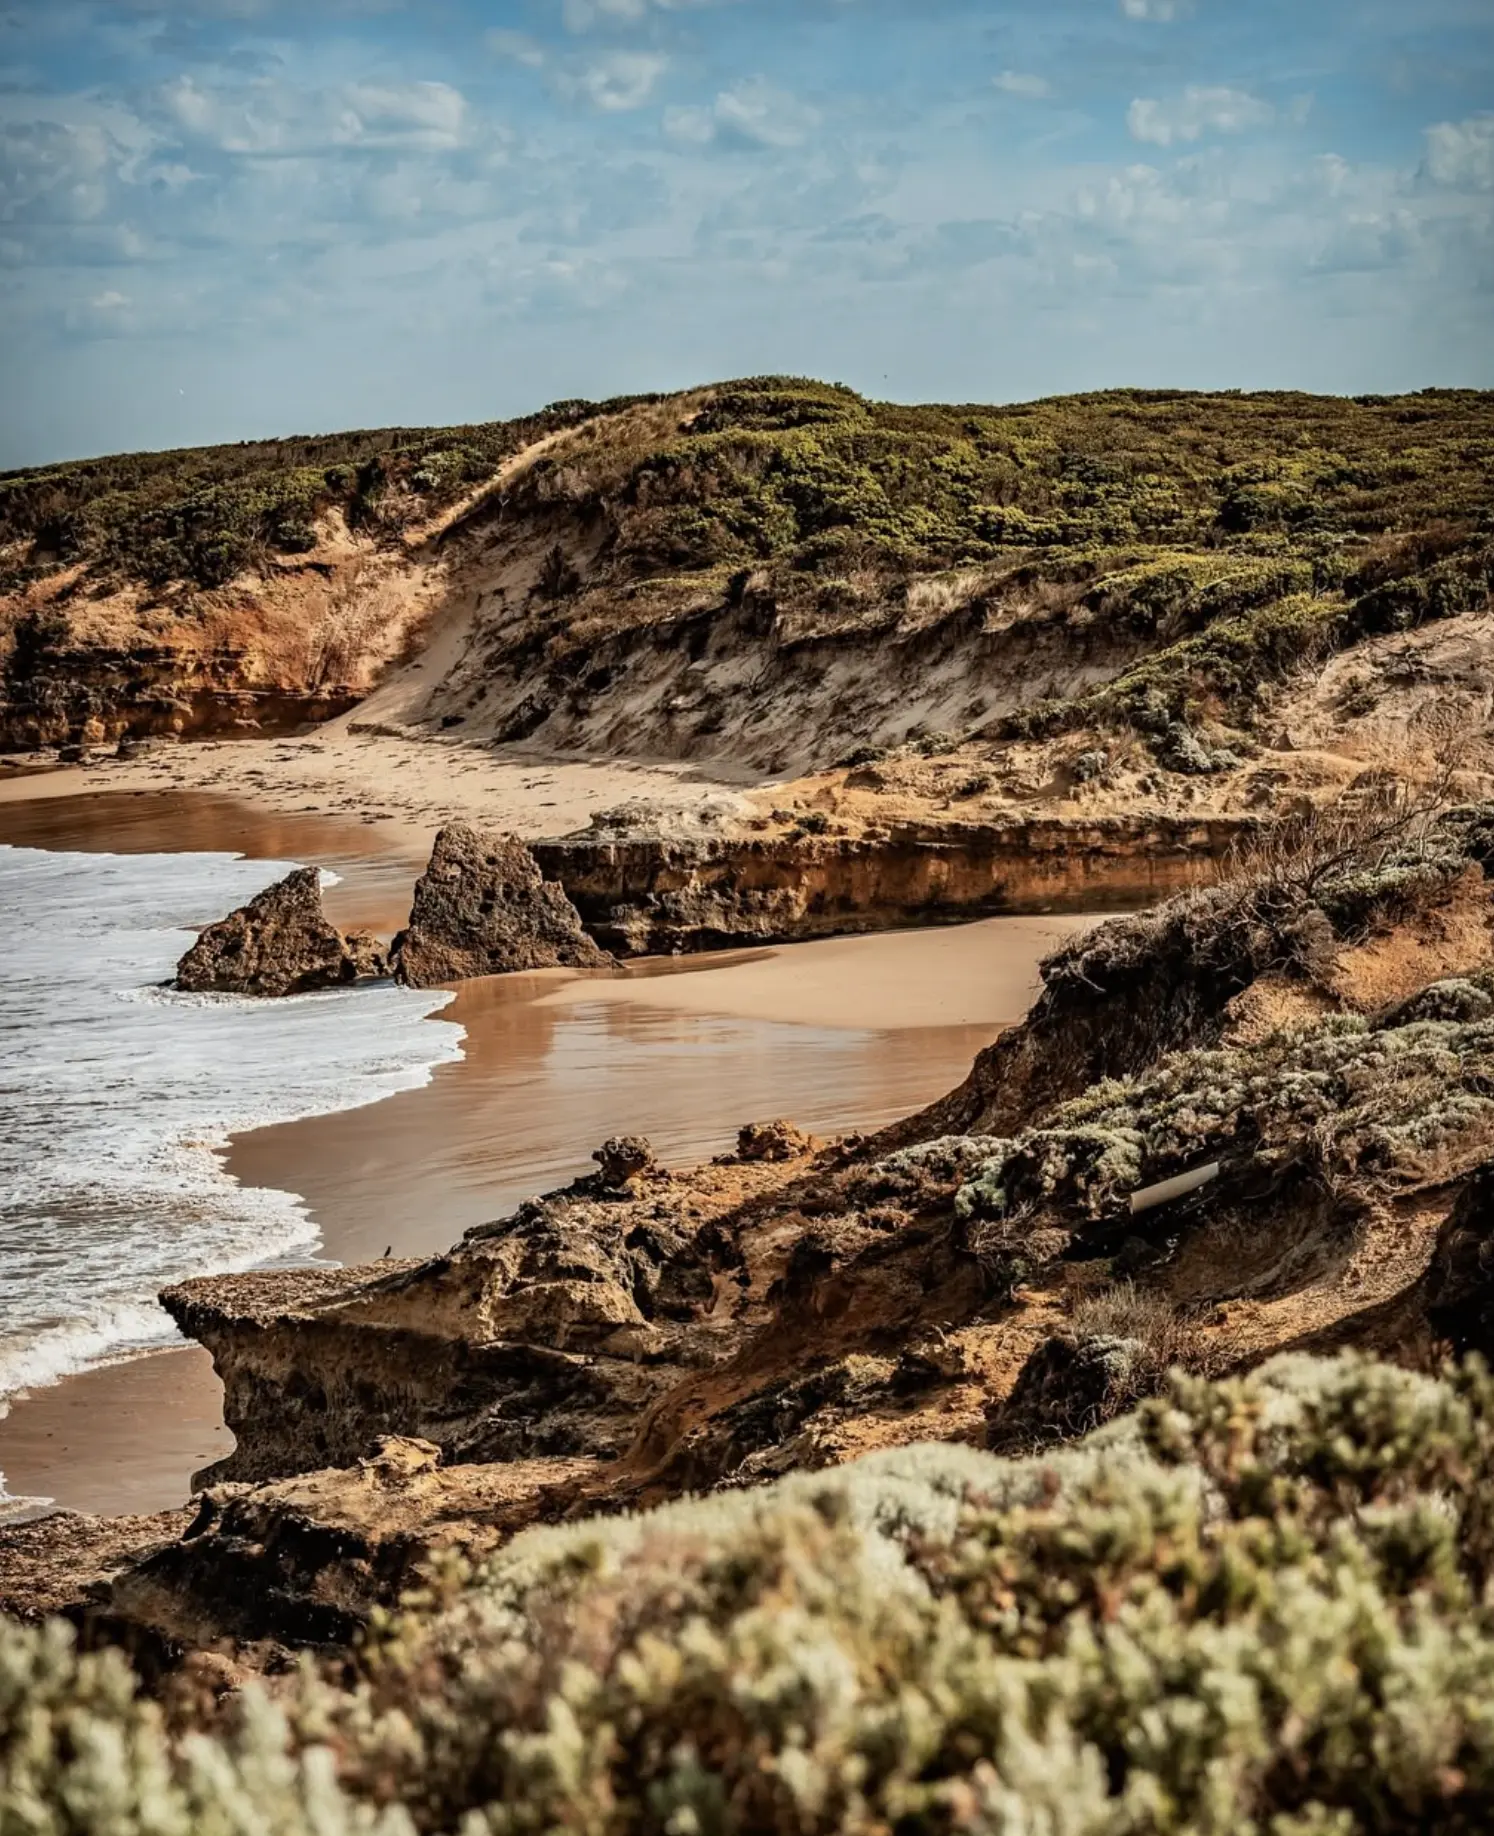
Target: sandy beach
402 788
835 1034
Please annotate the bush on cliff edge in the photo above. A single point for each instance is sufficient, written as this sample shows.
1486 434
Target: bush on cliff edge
1259 1605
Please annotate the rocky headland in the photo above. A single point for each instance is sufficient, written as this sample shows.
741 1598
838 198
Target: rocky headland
1069 1443
1318 1026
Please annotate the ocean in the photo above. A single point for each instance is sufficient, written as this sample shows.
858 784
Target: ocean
116 1094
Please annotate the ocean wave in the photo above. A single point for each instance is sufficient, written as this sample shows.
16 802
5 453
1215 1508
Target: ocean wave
51 1353
117 1095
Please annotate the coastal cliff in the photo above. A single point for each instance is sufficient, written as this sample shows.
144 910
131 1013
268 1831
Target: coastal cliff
777 575
662 1430
1198 1234
650 894
1319 1030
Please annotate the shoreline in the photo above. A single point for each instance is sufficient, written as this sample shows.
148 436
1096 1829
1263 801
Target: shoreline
400 789
684 1051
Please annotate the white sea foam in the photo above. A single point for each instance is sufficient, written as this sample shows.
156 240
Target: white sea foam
115 1093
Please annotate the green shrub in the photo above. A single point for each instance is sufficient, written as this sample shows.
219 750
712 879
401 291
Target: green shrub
1258 1605
204 514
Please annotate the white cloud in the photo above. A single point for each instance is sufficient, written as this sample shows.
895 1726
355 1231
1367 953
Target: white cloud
517 46
753 114
267 117
695 127
1198 110
582 15
1014 83
110 300
428 115
1461 153
1157 10
56 172
616 81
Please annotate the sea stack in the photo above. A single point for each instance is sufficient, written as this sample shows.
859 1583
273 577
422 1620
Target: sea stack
482 907
280 943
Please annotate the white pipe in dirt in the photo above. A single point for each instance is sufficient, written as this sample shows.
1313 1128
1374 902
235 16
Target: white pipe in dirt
1151 1196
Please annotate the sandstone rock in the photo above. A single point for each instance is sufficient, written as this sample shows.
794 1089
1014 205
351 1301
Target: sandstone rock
778 1140
482 907
399 1459
369 958
622 1158
280 943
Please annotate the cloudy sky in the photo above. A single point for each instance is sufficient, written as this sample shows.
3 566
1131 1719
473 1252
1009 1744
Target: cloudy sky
226 218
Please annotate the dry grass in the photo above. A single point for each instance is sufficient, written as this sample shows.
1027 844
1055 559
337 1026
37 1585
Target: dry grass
1387 815
1168 1338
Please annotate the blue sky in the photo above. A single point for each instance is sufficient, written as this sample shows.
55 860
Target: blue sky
228 218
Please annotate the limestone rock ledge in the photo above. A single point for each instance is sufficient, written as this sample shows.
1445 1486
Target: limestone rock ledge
976 1274
642 889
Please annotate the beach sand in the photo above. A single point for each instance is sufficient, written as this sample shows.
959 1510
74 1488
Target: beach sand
970 975
833 1034
402 790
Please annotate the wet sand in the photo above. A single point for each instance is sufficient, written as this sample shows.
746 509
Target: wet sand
980 975
376 870
834 1034
543 1083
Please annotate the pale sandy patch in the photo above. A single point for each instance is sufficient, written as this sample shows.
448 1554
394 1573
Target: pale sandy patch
407 787
983 974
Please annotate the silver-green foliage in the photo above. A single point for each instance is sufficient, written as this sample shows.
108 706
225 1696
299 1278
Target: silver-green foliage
1255 1608
82 1753
1392 1103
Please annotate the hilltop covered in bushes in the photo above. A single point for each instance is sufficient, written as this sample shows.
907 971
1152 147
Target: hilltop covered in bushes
780 573
202 515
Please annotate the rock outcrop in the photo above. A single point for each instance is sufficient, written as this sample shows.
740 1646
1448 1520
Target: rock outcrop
280 943
646 894
787 1305
482 907
622 1158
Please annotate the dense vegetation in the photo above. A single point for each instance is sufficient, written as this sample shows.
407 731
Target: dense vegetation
204 514
1209 544
1195 550
816 476
1258 1605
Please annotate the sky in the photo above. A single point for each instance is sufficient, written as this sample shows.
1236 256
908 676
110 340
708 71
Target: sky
222 219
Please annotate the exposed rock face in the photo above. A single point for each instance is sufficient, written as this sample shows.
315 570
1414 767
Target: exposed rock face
650 894
546 1335
280 943
782 1305
622 1158
482 907
368 956
643 1334
1459 1284
1118 998
344 1540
